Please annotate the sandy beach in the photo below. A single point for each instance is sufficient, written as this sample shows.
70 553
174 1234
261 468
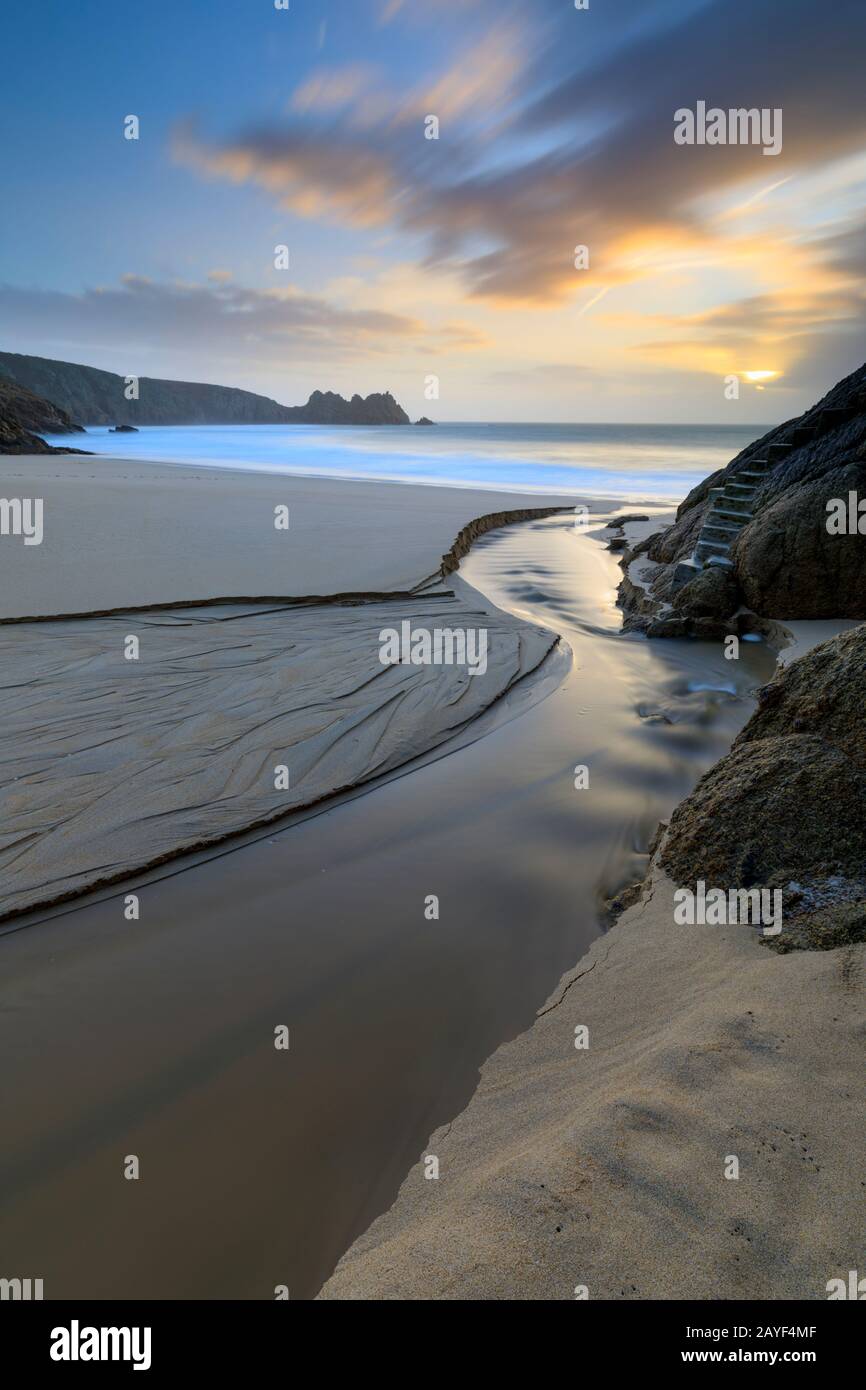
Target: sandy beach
136 758
601 1173
126 535
433 673
224 947
410 1036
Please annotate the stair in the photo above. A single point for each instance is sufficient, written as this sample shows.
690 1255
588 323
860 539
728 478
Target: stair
730 511
706 550
802 435
834 416
731 504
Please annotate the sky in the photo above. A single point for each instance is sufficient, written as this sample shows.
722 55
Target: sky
443 265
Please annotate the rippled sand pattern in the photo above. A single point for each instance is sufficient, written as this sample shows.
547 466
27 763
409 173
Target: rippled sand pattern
109 765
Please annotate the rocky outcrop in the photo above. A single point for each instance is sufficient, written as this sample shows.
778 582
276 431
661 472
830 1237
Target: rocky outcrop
785 808
96 397
14 439
326 408
33 412
765 520
123 429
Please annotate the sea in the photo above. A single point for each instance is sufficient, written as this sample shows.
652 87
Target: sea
628 462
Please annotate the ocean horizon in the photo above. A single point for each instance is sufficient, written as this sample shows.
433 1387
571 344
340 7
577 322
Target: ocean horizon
627 462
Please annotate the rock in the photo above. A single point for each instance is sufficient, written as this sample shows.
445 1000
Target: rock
714 593
327 408
645 546
14 439
679 540
785 561
34 413
424 421
613 908
667 625
785 808
790 566
843 924
123 429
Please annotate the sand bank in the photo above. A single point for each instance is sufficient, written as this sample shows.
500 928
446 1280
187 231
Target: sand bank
605 1167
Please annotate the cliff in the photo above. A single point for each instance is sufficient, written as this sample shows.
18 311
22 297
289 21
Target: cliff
95 397
33 412
15 439
760 529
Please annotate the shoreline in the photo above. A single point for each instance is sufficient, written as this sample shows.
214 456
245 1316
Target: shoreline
332 640
118 535
395 1233
321 925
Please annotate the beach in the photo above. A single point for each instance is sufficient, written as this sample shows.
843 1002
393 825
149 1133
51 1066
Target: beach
433 672
315 921
604 1173
119 534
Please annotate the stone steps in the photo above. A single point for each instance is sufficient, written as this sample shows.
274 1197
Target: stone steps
732 503
835 415
803 434
706 549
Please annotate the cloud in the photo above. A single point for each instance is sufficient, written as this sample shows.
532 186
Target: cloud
344 181
329 89
390 9
217 319
530 164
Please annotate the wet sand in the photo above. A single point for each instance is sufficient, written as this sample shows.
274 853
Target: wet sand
608 1173
155 1036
